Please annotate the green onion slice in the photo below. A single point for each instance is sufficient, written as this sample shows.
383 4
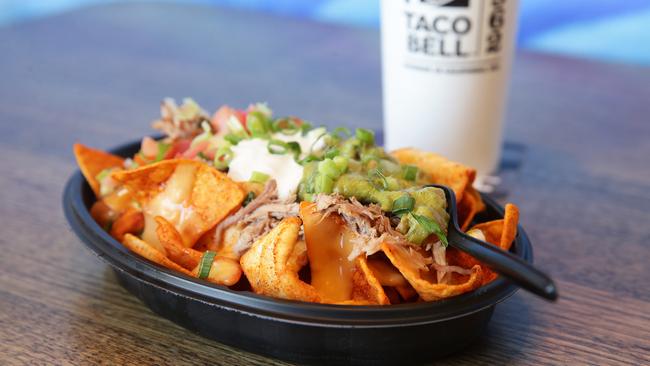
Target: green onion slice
103 174
255 122
431 227
324 184
403 204
206 264
331 153
277 147
380 175
294 147
409 172
259 177
337 132
249 197
366 136
329 168
162 150
233 138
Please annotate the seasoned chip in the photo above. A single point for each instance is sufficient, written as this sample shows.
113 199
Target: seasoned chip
191 195
130 222
469 206
429 291
145 250
438 170
92 162
172 241
500 233
267 264
365 286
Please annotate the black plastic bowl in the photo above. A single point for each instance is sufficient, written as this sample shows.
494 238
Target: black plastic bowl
291 330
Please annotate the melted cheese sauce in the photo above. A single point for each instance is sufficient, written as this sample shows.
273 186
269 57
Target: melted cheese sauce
328 247
253 155
173 204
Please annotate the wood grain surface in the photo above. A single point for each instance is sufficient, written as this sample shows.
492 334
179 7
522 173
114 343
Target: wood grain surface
578 138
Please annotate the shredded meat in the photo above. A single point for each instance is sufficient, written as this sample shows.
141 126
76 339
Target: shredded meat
373 228
369 222
258 217
180 122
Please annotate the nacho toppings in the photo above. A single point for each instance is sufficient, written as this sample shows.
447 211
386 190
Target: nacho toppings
303 213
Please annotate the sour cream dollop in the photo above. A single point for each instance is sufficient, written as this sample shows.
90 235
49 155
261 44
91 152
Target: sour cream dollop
253 156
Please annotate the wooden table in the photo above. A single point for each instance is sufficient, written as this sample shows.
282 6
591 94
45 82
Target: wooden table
579 133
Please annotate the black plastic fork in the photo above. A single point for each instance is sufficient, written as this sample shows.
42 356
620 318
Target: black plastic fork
505 263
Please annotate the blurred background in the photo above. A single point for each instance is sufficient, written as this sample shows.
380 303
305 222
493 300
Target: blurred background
606 30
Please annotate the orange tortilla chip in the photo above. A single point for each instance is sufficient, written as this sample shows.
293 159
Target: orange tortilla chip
365 286
438 170
267 264
92 161
500 233
145 250
298 257
130 222
428 290
172 241
469 206
204 196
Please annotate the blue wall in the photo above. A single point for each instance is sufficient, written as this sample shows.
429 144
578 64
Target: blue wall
609 30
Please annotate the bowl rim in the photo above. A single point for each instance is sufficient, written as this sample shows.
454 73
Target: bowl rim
77 196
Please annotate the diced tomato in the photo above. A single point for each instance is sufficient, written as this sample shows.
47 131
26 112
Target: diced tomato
178 148
222 115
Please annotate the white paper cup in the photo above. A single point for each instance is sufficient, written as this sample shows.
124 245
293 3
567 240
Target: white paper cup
446 67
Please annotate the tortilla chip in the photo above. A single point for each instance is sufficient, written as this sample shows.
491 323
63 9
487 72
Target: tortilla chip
365 286
91 162
172 241
385 272
145 250
438 170
211 197
130 222
407 292
298 257
500 233
267 264
427 290
469 206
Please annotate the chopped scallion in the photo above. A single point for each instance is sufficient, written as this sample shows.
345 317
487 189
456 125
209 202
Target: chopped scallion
331 153
162 150
277 147
409 172
249 197
259 177
324 184
404 204
366 136
329 168
206 264
431 227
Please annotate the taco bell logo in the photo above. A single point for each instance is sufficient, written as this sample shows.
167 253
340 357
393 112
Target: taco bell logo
450 3
454 29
